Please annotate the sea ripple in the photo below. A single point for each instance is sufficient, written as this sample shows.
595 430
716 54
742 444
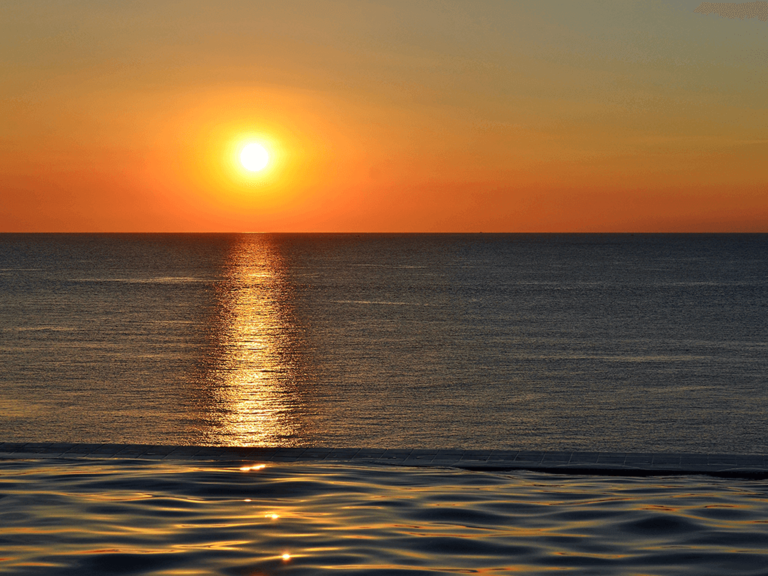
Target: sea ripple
164 518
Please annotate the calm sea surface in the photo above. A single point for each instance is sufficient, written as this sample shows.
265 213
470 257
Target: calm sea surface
578 342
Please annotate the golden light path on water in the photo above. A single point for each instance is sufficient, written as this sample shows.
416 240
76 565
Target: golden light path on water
251 382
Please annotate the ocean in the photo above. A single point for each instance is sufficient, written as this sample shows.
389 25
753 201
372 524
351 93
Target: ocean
626 342
642 343
172 518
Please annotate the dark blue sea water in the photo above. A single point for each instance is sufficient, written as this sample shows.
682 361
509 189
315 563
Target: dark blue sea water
579 342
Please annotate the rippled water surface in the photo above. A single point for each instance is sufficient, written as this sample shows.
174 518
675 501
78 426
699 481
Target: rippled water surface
135 517
556 342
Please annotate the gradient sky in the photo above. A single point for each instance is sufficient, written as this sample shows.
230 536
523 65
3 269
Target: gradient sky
540 116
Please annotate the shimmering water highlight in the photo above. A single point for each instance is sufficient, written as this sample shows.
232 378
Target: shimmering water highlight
136 517
647 343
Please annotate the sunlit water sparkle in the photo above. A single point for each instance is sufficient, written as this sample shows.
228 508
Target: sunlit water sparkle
554 342
135 517
583 342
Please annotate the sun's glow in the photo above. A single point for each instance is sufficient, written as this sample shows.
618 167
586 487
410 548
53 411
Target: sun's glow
254 157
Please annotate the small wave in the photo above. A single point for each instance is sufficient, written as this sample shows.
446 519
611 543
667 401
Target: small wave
378 302
158 280
398 266
39 329
138 517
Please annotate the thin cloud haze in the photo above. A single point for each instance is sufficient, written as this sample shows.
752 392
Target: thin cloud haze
739 10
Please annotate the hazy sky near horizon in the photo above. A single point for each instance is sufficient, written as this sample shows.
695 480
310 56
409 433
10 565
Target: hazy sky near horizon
382 116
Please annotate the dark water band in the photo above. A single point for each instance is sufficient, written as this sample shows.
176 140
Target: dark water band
602 463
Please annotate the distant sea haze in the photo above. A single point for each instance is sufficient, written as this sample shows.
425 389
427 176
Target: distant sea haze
573 342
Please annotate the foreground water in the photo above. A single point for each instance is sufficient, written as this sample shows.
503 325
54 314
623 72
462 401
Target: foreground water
554 342
135 517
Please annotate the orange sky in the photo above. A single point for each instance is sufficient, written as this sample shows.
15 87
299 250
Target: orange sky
382 116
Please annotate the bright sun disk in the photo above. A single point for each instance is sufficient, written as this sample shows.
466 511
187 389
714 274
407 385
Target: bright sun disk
254 157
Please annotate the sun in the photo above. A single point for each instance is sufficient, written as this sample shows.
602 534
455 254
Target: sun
254 157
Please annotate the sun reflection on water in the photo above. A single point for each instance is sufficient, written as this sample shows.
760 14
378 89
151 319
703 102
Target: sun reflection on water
254 375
